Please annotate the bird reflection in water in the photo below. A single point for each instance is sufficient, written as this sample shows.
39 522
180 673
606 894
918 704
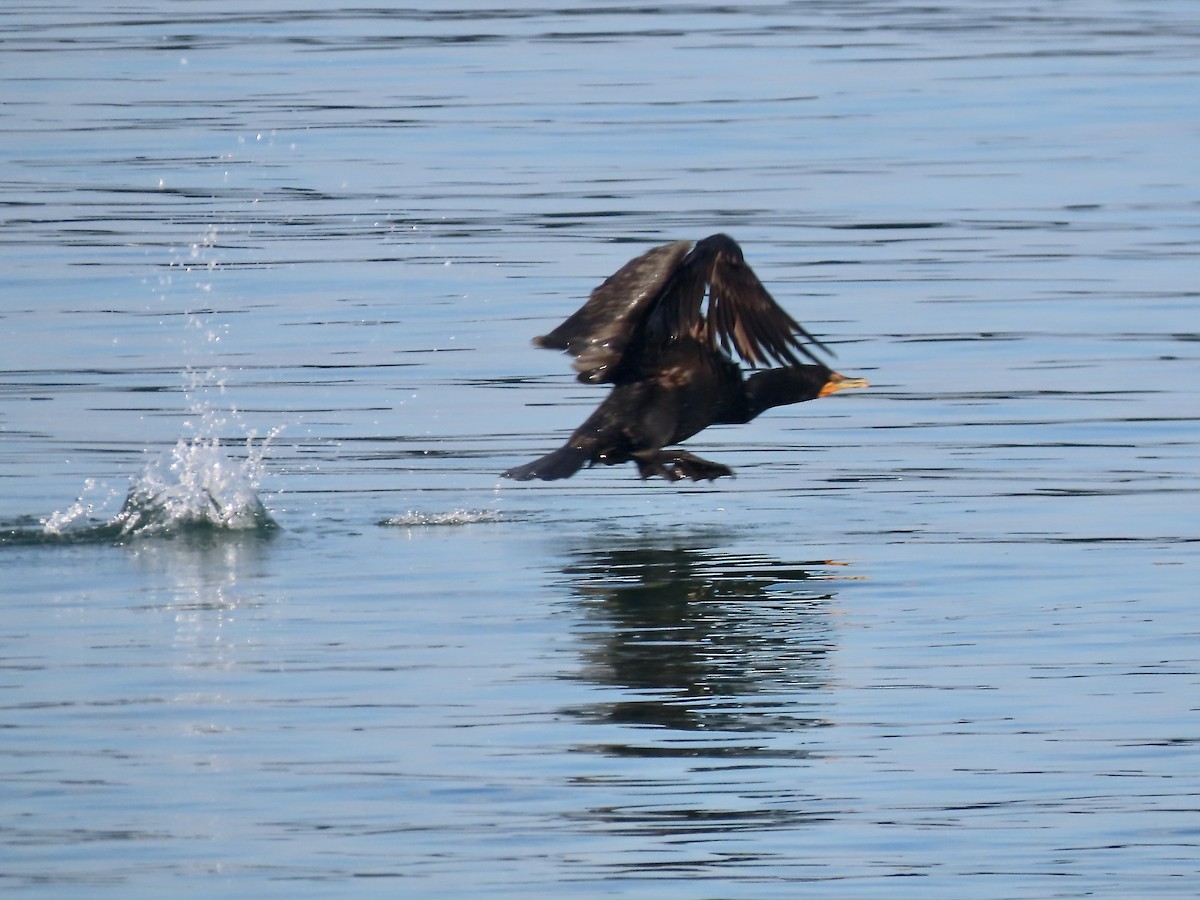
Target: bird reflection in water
705 640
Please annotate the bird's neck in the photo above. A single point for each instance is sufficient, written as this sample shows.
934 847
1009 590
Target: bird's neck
779 387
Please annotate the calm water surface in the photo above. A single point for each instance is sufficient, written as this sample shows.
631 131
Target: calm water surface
276 272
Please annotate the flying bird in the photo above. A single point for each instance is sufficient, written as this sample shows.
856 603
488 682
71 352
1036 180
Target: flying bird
649 332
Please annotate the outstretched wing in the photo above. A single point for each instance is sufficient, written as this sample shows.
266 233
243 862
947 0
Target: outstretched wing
632 320
598 333
742 317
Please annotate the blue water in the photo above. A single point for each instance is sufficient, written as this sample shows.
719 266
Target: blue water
271 623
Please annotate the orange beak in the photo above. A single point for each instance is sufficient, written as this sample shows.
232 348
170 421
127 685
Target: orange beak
838 382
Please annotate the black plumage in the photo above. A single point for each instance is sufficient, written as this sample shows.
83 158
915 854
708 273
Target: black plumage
648 331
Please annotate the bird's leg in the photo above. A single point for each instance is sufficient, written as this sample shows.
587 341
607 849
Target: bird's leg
655 462
676 464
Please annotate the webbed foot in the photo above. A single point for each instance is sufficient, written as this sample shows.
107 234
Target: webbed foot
674 465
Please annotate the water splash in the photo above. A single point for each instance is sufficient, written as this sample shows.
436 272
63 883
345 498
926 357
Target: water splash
87 508
198 485
454 517
195 486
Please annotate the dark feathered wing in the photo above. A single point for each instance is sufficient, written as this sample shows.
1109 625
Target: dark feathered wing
598 333
630 321
742 317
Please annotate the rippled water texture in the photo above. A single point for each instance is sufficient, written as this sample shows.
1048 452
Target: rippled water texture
273 626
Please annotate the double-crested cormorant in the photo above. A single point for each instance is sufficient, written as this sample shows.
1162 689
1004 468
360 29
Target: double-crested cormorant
645 331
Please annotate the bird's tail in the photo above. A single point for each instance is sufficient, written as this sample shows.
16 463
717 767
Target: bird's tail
562 463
